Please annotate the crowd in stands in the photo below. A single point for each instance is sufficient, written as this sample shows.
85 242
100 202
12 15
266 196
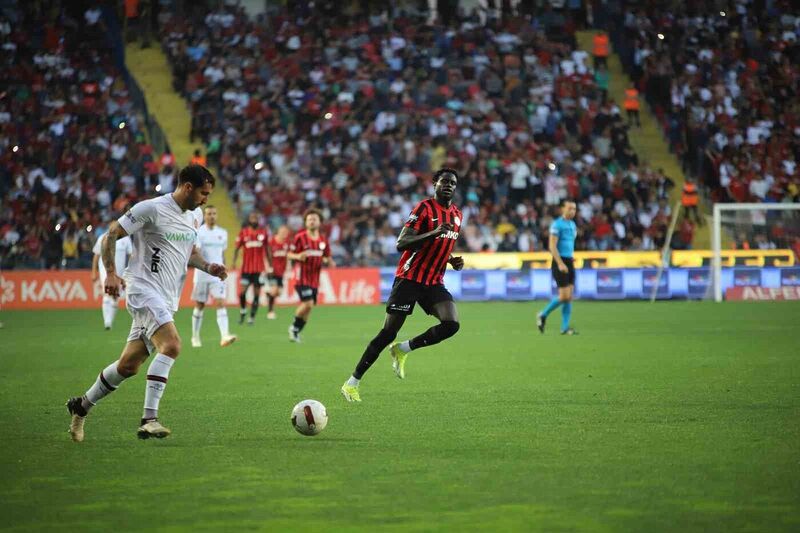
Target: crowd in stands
354 112
72 155
725 83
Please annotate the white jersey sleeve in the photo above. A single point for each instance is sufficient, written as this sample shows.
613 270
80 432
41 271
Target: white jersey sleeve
139 215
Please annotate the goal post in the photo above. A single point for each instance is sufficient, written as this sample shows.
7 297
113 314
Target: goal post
764 225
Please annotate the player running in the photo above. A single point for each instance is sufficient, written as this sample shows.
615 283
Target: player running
212 241
279 246
312 250
123 251
563 233
255 263
426 241
163 231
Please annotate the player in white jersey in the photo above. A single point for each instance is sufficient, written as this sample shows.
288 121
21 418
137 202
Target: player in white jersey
124 250
163 231
212 241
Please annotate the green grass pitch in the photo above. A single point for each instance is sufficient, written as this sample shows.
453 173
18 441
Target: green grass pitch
674 416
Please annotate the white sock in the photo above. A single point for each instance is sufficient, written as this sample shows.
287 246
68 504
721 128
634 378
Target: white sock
106 383
197 322
404 346
353 381
109 310
222 321
157 374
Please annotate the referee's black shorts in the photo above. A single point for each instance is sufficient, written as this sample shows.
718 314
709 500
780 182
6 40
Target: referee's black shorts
564 279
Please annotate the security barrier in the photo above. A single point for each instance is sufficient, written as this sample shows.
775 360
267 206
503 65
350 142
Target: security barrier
74 289
603 284
614 259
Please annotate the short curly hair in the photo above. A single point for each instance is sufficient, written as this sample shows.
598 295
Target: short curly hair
442 171
312 211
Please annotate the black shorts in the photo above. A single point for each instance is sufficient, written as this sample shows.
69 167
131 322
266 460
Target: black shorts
405 293
275 281
306 293
251 279
564 279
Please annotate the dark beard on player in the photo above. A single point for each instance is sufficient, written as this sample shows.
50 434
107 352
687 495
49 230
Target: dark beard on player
254 225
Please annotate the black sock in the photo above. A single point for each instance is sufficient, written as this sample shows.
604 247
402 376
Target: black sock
298 324
253 308
441 331
374 349
270 302
242 301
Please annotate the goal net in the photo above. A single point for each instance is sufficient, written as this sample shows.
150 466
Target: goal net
749 240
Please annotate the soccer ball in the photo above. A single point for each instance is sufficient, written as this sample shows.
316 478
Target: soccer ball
309 417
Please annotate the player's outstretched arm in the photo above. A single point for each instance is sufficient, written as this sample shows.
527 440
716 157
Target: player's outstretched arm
197 261
108 250
297 256
410 239
457 262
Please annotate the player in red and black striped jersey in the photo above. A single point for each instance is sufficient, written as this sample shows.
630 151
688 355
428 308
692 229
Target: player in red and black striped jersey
426 243
255 263
279 244
312 250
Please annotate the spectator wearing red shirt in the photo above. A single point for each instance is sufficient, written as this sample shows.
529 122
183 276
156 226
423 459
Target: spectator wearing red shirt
685 235
60 121
602 233
332 112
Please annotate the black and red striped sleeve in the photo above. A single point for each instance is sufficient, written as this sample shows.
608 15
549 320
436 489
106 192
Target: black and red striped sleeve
419 216
298 245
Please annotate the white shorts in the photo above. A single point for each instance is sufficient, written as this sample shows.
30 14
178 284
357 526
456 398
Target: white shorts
201 290
149 312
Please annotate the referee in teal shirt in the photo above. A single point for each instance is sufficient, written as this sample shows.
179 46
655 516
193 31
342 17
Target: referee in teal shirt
563 232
